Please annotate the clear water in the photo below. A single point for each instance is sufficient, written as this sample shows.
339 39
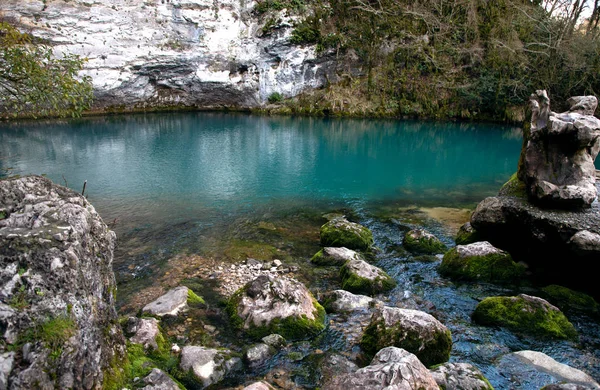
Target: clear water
188 182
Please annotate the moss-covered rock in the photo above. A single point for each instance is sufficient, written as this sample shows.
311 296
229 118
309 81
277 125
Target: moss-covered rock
358 276
415 331
335 256
525 313
480 261
340 232
513 187
466 235
280 305
421 241
567 299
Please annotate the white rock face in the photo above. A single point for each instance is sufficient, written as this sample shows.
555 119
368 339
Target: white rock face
481 248
145 53
344 301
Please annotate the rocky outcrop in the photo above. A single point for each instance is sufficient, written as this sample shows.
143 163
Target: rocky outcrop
57 282
557 160
180 52
416 331
335 256
208 366
421 241
358 276
460 376
339 232
276 305
480 261
391 368
525 313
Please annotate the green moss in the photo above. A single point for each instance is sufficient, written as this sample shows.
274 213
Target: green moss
318 258
194 299
243 249
2 214
356 284
427 245
340 233
513 187
378 336
567 299
466 235
522 315
497 267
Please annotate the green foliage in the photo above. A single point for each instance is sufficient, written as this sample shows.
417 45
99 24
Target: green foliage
34 82
275 97
306 32
519 314
495 267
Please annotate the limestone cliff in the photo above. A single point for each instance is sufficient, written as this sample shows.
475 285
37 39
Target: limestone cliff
58 322
157 53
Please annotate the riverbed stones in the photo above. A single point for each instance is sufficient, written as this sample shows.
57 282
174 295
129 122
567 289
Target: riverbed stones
391 368
480 261
339 232
159 380
416 331
358 276
56 258
208 366
342 301
557 160
144 331
537 367
280 305
525 313
173 302
335 256
460 376
258 354
421 241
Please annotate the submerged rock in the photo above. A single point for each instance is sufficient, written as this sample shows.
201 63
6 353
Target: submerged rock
258 354
524 313
208 366
460 376
531 368
171 303
56 273
358 276
276 305
557 160
391 368
339 232
480 261
334 365
159 380
335 256
421 241
416 331
567 299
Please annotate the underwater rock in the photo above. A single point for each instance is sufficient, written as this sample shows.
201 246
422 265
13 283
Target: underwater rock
340 301
391 368
145 331
339 232
358 276
171 303
159 380
258 354
466 235
416 331
525 313
557 159
335 256
531 367
460 376
480 261
56 274
421 241
280 305
334 365
208 366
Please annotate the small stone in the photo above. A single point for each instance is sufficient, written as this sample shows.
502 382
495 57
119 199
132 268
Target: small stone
274 340
277 263
171 303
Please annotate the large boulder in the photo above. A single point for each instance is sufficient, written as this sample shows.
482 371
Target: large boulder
417 332
358 276
460 376
421 241
208 366
480 261
280 305
525 313
391 369
57 282
557 160
339 232
335 256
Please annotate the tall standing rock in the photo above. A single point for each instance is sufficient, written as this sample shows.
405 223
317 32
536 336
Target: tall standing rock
57 287
557 160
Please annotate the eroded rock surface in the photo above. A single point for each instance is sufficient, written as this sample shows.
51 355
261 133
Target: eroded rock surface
56 277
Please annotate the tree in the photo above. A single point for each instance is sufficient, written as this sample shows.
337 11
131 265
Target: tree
34 82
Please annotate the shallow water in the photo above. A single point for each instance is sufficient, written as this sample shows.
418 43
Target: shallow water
196 182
